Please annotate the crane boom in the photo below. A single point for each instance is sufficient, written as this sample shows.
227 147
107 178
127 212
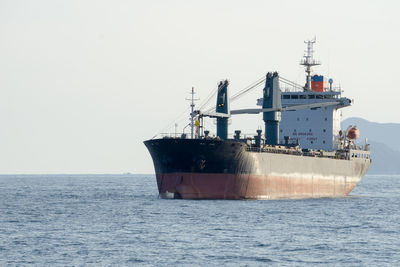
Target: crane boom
285 108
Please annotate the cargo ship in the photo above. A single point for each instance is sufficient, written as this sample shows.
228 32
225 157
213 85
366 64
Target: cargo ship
315 158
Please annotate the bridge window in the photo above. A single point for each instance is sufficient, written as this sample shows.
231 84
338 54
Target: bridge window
295 97
286 96
303 96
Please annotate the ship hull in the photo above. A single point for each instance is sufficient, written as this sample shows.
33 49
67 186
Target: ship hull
234 186
215 169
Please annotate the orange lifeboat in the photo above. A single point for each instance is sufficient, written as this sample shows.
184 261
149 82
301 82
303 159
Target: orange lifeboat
353 133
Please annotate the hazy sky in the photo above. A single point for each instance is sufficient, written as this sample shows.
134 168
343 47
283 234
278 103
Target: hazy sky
84 83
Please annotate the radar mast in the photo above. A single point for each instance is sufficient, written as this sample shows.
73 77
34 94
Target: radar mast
308 61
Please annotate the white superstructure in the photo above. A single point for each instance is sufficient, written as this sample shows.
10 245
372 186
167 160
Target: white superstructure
316 128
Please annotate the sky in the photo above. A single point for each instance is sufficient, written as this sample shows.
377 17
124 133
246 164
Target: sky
84 83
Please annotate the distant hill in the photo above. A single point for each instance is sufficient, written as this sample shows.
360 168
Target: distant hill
385 144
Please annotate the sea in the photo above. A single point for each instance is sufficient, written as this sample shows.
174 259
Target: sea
119 220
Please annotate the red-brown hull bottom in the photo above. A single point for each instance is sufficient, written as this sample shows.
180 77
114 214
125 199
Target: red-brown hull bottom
244 186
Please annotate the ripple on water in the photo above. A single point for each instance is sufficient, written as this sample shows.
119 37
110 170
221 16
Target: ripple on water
119 220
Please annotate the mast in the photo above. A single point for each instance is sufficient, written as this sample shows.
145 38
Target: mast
308 61
192 114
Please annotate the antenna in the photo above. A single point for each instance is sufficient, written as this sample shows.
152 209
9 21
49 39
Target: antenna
308 61
192 115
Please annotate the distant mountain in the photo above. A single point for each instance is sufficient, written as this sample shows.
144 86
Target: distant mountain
385 144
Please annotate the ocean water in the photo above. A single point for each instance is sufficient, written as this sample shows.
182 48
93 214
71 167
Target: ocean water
118 220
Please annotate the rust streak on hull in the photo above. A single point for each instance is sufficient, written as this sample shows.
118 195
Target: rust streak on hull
236 186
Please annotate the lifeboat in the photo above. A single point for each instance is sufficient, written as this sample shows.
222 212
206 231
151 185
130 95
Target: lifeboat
353 133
